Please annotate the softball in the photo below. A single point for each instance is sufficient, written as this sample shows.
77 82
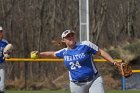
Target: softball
34 55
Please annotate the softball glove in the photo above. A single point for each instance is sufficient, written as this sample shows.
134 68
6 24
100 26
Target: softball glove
124 69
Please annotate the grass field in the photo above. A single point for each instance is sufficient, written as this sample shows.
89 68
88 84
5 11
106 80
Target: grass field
60 91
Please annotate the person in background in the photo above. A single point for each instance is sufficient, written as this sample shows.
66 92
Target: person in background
4 46
78 59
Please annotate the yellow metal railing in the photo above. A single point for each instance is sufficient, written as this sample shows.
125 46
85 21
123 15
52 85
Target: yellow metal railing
56 60
51 60
61 60
136 71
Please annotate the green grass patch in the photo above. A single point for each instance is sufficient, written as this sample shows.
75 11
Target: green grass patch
120 91
48 91
62 91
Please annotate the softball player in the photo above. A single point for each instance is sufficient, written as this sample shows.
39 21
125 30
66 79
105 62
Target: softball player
3 43
78 58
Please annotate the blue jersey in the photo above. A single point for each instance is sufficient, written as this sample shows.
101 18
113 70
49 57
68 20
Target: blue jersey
3 43
79 60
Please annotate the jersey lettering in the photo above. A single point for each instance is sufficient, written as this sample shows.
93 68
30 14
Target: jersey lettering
74 57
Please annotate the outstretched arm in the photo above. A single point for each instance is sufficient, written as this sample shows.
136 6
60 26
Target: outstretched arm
105 55
47 54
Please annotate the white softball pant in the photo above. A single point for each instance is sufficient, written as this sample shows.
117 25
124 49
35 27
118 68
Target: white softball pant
94 86
2 73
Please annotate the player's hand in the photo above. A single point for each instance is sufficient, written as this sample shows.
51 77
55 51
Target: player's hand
34 54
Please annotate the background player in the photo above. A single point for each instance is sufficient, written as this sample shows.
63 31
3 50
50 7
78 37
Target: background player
83 74
3 55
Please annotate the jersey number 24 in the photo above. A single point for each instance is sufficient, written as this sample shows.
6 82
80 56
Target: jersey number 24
74 65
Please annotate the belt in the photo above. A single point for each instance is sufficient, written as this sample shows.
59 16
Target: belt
88 79
82 81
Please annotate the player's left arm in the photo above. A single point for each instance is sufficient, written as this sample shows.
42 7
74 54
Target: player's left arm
105 55
123 68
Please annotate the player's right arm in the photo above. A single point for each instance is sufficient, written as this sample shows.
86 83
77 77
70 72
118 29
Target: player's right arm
47 54
53 54
50 54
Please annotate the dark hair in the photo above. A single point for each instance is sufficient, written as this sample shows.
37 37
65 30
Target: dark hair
59 43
